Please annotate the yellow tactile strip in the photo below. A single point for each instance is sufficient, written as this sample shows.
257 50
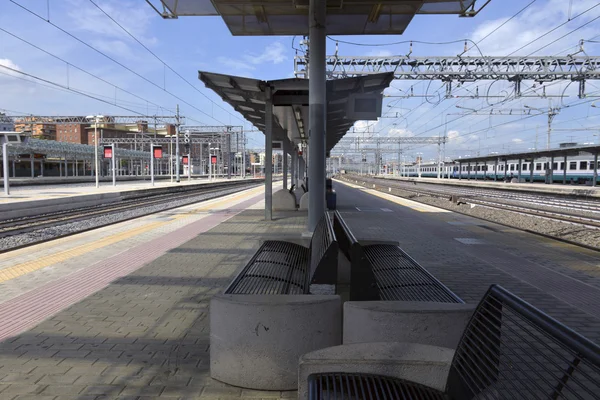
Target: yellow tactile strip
46 261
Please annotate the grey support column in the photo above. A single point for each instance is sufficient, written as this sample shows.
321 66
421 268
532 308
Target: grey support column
32 165
520 169
496 170
565 171
316 105
469 171
42 167
505 168
531 166
285 165
294 168
228 158
268 155
5 169
459 171
550 178
594 183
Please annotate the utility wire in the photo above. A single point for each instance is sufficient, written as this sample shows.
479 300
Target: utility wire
71 89
114 60
162 61
82 70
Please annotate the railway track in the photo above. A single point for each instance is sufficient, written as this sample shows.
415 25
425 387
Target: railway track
31 225
582 213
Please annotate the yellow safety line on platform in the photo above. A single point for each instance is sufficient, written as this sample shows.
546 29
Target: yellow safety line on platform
31 266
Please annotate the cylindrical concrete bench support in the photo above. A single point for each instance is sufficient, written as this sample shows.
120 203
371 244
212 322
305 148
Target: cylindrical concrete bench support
257 340
435 324
284 201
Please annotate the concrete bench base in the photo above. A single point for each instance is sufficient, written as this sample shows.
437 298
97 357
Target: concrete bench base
436 324
304 201
427 365
257 340
284 201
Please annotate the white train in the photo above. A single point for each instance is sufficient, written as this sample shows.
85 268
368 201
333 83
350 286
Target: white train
580 169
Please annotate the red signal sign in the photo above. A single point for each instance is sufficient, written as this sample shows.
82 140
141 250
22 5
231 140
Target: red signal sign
185 160
108 153
213 159
157 151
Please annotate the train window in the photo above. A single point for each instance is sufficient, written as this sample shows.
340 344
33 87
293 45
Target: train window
573 165
583 165
554 166
512 167
562 166
524 167
538 166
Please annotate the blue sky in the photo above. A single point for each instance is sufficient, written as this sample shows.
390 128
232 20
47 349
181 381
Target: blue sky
192 44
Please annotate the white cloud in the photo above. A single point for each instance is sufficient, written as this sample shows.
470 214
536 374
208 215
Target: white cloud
10 64
234 64
517 140
275 53
272 54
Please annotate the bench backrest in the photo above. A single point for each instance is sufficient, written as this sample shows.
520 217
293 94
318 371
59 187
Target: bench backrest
362 280
510 349
323 253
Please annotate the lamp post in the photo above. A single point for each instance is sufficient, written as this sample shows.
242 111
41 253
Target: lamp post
96 119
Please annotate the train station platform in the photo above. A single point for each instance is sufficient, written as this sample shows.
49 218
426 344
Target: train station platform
26 201
122 312
86 180
468 255
555 189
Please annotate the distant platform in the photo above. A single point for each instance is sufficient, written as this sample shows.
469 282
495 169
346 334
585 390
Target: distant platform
565 190
72 180
31 200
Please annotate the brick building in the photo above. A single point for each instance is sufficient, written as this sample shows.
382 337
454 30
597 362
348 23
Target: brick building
72 133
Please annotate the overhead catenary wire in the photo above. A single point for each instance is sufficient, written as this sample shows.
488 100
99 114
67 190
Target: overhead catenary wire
83 70
162 61
114 60
71 89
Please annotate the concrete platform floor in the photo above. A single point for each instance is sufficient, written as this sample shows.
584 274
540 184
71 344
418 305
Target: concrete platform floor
122 312
468 255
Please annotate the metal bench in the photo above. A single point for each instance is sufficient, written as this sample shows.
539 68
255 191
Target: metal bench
269 316
509 350
280 267
386 272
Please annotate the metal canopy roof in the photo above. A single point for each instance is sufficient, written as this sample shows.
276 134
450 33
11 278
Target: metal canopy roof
565 151
290 102
290 17
52 149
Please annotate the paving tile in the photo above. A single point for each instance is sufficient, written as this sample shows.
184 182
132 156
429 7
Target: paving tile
157 319
56 390
7 390
20 378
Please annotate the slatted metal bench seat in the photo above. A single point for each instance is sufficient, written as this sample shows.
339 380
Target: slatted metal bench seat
280 267
386 272
268 316
509 350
